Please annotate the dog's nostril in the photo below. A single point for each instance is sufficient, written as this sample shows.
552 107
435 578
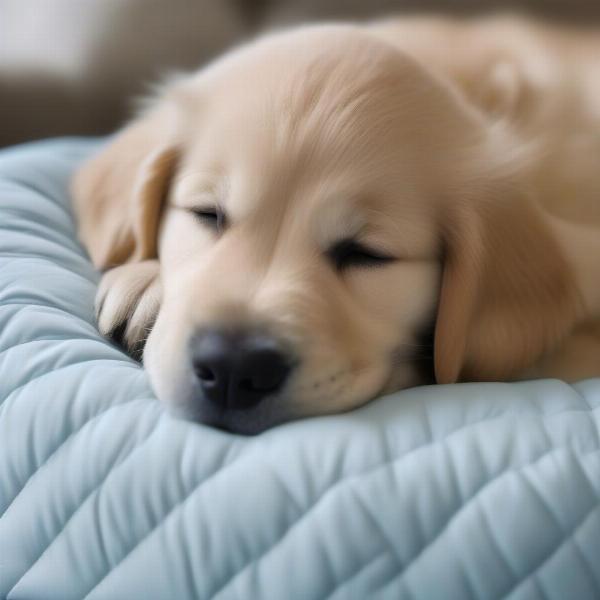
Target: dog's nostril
205 374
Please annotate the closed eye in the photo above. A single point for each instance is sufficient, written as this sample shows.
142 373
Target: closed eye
350 253
212 217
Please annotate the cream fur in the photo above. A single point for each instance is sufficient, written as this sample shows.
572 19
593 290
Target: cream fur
462 148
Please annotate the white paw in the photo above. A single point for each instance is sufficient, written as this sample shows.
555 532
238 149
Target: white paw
127 303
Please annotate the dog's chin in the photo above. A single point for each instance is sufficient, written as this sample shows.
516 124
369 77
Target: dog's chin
250 421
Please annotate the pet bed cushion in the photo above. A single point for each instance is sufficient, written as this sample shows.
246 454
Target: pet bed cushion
465 491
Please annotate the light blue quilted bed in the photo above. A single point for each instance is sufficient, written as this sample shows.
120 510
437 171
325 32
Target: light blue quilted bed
468 491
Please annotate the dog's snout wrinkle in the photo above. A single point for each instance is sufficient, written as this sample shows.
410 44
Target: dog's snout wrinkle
236 369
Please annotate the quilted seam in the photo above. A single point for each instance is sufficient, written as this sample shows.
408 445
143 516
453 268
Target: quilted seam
94 489
346 480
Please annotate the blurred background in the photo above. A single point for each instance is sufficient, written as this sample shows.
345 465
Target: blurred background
72 67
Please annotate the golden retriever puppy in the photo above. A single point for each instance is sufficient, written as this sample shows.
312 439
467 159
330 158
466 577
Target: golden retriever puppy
339 211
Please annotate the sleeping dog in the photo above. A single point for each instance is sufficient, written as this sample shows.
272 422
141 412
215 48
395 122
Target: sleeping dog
338 211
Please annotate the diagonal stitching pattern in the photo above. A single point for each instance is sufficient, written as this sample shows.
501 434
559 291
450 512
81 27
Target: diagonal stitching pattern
345 480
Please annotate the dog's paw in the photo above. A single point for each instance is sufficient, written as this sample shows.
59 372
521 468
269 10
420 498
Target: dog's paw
127 304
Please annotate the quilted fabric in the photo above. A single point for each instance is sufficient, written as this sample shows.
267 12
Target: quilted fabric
470 491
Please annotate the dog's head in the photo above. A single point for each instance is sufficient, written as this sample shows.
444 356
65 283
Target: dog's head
311 221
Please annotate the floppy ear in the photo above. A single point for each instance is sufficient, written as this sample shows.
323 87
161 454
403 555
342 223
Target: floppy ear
118 194
507 295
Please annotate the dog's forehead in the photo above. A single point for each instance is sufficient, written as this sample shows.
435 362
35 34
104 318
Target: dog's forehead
318 83
255 158
329 137
333 198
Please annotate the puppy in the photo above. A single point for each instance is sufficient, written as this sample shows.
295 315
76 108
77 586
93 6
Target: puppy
339 211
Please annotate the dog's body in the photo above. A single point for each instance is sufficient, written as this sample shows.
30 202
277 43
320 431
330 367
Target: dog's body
288 222
544 82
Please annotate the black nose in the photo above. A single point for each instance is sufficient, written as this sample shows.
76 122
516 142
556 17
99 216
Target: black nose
238 370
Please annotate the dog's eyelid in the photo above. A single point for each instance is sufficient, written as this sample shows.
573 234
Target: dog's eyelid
197 189
188 201
212 216
350 252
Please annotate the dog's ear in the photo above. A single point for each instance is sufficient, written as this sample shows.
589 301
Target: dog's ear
507 295
118 194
